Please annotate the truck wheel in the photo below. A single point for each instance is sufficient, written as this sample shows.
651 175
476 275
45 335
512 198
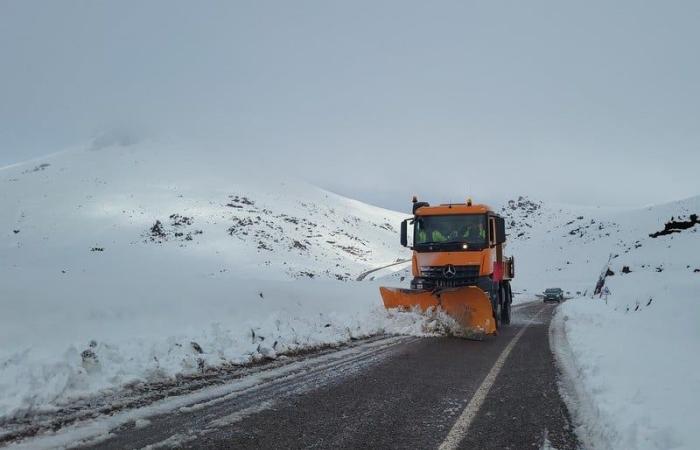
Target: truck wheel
498 310
507 300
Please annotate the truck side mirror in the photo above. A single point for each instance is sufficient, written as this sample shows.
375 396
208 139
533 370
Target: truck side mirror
404 233
500 230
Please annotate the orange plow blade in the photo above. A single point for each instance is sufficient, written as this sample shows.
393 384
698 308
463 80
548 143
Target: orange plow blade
469 306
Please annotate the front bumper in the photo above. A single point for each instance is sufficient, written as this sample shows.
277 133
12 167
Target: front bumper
485 283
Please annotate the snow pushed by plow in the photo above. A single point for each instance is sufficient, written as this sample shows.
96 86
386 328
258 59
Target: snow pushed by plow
197 336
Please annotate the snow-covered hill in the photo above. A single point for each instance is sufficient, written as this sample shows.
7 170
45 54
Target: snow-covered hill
631 377
114 261
83 210
131 263
631 352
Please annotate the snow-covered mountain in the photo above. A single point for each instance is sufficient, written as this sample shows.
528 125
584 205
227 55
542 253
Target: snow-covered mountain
89 210
112 261
630 380
570 245
130 263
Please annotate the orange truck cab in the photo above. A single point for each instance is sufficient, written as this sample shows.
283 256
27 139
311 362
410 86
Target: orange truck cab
458 249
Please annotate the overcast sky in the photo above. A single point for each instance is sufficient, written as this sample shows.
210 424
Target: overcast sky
585 102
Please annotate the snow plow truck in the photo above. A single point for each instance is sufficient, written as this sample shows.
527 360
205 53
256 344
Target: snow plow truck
458 266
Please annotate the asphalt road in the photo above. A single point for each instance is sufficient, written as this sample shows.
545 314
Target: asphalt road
500 393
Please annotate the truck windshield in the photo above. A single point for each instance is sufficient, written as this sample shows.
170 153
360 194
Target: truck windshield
467 228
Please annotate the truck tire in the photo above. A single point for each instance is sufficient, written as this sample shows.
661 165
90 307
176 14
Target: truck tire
498 310
508 300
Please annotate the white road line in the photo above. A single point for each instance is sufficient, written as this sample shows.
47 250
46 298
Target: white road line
238 416
461 426
364 274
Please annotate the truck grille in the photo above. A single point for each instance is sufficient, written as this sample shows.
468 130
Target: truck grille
451 283
461 273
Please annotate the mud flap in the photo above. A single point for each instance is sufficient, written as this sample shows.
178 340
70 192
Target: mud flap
469 306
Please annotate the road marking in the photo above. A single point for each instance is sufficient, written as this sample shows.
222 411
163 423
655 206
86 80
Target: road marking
364 274
238 416
461 426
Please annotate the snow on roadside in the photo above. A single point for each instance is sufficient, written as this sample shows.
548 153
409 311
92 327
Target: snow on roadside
150 260
113 343
632 378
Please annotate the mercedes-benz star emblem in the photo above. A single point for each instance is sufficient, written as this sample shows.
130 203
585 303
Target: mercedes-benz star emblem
449 271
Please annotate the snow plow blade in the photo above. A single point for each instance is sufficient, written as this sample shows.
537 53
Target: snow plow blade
469 306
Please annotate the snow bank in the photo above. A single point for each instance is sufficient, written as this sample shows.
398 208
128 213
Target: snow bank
244 265
90 343
631 377
632 356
